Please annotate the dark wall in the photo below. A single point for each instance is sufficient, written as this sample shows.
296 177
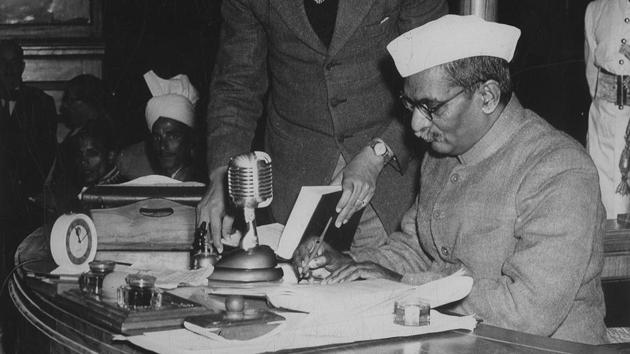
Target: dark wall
548 67
168 36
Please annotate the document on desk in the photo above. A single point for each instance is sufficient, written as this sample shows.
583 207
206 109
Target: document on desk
298 331
339 313
372 296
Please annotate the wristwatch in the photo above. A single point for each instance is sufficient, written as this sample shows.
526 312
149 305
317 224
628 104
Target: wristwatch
380 149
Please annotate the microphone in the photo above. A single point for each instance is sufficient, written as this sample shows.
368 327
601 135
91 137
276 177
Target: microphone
250 186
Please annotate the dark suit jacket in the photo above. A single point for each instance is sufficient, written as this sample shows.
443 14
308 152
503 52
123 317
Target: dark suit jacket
28 147
320 101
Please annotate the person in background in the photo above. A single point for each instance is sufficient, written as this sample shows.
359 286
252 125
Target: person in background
83 100
95 151
27 151
27 130
607 57
318 71
503 195
83 103
170 116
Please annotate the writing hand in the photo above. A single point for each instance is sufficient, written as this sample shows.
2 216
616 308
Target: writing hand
327 260
363 270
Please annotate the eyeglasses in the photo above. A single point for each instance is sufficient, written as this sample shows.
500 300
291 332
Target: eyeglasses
423 108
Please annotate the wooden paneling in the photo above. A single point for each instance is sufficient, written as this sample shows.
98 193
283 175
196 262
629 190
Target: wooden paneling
50 66
54 53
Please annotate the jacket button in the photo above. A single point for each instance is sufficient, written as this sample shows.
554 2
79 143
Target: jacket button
337 101
444 251
623 40
626 20
620 61
454 178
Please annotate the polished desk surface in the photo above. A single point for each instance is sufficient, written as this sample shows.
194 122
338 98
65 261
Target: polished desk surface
45 326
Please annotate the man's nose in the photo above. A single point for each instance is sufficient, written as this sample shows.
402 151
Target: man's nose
419 121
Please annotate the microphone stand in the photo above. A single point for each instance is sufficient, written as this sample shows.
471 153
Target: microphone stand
250 237
249 180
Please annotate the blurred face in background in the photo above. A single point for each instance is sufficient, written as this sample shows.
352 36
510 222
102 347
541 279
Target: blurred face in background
92 159
11 69
74 111
172 144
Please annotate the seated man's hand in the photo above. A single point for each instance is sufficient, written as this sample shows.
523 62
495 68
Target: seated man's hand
322 264
363 270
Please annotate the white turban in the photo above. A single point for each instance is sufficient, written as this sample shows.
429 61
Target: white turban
449 38
174 98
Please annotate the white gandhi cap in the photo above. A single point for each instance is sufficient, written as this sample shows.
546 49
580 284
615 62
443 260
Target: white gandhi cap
449 38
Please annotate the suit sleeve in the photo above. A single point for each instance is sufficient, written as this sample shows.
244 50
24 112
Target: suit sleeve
239 83
413 13
401 252
559 247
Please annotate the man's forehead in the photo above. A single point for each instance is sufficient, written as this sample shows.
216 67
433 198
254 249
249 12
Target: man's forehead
427 84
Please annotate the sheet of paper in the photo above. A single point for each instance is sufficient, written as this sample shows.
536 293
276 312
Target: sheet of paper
299 331
299 218
159 180
270 235
367 296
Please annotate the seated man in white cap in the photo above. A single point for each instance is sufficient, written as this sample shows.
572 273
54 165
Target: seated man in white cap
170 115
503 194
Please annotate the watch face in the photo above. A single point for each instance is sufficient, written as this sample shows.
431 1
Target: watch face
78 241
380 149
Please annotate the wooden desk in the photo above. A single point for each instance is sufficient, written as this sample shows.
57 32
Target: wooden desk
616 251
43 326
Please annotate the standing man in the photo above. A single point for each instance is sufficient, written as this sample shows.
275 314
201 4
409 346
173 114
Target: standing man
28 121
319 72
27 149
503 194
607 57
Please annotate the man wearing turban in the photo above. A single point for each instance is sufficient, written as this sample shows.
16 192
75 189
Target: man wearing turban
170 116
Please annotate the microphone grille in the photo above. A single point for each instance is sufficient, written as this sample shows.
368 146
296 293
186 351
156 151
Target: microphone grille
250 182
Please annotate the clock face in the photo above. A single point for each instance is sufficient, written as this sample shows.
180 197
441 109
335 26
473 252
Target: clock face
78 241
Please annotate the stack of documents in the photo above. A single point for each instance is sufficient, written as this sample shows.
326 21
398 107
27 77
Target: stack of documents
339 313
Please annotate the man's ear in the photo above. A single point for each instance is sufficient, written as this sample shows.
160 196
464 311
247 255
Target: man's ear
490 96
